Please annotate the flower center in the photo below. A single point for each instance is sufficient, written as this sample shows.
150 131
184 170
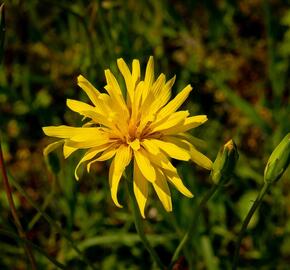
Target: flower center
135 145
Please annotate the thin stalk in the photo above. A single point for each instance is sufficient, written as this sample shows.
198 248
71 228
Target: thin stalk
47 201
139 226
246 221
193 222
12 207
37 248
53 223
6 184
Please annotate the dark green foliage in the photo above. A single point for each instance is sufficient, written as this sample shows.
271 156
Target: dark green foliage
236 56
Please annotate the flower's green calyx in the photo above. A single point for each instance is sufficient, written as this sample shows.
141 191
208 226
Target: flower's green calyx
224 165
278 161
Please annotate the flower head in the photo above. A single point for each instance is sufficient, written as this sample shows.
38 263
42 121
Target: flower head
144 127
225 163
278 161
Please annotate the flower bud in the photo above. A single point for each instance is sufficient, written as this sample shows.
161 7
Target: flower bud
224 164
278 161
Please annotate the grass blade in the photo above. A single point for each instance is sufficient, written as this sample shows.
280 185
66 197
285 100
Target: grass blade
55 225
35 247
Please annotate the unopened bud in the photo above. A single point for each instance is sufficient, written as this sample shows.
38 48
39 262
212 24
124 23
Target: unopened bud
224 164
278 161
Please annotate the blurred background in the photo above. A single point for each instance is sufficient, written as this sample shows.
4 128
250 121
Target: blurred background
236 56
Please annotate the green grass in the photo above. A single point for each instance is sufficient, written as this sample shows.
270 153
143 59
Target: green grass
236 56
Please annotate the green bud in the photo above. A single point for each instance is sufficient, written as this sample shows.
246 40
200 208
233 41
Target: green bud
278 161
224 164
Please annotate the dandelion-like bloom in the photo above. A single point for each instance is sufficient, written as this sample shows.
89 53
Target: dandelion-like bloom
144 127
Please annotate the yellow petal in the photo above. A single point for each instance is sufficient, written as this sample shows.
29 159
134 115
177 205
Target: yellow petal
137 101
163 191
149 78
90 134
140 186
88 140
124 70
195 155
98 118
90 90
81 107
107 154
114 89
172 150
180 142
135 145
145 165
135 71
149 73
66 131
193 140
78 106
174 104
150 93
163 97
195 121
127 77
67 151
154 154
169 122
174 178
118 165
89 155
117 100
158 85
150 146
189 123
149 107
85 144
52 146
200 159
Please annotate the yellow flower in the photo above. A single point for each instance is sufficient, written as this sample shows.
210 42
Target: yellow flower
144 127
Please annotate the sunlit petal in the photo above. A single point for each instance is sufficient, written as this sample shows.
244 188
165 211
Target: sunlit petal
174 178
172 150
118 165
145 165
174 104
51 147
134 120
163 191
140 187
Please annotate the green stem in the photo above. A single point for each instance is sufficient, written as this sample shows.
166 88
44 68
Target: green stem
12 207
47 201
246 221
6 183
193 222
53 223
37 248
139 224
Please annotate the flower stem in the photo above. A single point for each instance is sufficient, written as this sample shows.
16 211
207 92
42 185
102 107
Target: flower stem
35 247
53 223
246 221
12 207
193 222
139 225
